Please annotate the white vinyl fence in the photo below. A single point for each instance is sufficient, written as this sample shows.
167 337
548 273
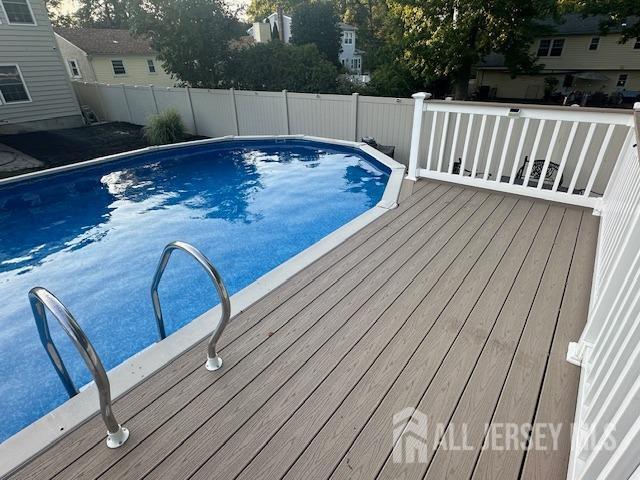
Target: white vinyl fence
217 113
607 435
564 154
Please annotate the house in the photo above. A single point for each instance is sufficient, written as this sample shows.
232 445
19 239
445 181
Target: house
110 56
350 57
578 55
35 92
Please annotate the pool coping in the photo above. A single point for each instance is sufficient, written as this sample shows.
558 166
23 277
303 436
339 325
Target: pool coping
28 442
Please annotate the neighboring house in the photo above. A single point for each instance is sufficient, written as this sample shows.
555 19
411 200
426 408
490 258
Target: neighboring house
35 93
578 55
350 57
110 56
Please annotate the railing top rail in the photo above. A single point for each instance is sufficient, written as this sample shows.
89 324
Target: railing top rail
41 300
540 112
214 362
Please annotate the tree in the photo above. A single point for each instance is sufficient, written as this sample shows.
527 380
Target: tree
191 36
105 13
59 19
448 38
317 23
277 66
619 12
258 10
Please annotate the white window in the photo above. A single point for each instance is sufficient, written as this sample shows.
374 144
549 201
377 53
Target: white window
18 12
622 80
595 42
118 67
74 70
550 48
355 64
151 66
12 86
348 38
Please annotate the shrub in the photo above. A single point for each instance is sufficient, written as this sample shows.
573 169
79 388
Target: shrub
166 127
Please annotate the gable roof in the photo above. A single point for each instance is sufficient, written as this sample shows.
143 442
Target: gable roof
577 24
102 41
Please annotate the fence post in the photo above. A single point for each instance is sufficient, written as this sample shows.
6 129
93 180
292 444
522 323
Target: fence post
235 110
126 102
285 100
103 109
354 108
419 98
153 96
190 104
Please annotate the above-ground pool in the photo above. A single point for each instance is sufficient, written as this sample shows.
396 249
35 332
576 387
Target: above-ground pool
93 237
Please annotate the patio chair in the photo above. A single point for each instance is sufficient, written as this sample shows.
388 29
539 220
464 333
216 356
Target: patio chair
536 171
456 169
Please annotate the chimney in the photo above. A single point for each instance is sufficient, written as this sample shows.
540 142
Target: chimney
280 22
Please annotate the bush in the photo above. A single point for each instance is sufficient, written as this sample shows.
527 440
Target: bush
166 127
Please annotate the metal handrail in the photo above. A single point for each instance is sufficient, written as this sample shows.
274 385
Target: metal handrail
41 299
214 362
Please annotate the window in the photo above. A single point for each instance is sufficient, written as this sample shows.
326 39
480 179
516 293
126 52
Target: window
636 46
622 80
595 41
12 86
556 47
74 70
118 67
548 47
151 66
18 11
355 63
348 38
543 47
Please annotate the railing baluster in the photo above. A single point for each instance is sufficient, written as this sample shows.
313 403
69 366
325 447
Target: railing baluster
534 152
492 146
454 144
465 150
547 157
505 149
479 143
599 158
516 161
443 141
565 155
583 155
432 137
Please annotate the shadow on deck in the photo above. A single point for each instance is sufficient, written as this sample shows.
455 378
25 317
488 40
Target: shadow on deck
460 303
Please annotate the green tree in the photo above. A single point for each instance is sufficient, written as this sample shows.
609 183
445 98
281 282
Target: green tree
192 37
258 10
277 66
105 13
317 23
619 12
59 19
448 38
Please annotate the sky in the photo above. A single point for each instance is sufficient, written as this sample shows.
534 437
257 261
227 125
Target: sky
69 6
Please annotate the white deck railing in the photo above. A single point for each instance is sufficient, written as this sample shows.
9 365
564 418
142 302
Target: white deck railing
563 154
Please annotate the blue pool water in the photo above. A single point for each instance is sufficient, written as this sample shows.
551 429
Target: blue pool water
93 237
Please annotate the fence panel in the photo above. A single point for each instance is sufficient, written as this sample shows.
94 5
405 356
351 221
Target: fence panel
214 112
330 116
261 113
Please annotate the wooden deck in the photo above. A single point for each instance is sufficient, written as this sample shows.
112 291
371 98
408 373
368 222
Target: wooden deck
459 303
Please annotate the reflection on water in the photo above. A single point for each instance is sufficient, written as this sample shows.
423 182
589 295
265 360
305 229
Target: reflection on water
93 237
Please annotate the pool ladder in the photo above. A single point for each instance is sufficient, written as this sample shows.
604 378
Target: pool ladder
42 300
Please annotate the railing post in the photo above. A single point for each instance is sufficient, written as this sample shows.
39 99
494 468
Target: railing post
418 107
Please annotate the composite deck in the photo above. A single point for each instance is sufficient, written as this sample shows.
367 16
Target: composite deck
459 303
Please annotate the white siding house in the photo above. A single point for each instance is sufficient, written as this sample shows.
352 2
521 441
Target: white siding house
350 57
35 92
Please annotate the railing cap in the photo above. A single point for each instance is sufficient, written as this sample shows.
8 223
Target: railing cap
421 95
636 106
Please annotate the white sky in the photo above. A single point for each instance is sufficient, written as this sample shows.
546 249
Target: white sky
69 6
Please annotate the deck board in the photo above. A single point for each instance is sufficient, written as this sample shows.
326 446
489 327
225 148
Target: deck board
460 303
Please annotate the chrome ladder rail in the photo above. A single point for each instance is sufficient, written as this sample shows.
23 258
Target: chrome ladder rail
214 362
41 299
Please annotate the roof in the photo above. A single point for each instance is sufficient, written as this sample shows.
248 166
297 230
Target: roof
577 24
346 26
102 41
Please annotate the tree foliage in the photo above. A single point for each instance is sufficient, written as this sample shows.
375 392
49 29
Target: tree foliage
317 23
447 38
277 66
258 10
619 12
192 37
105 13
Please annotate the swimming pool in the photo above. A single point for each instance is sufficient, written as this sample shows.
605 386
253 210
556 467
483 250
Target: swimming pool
93 237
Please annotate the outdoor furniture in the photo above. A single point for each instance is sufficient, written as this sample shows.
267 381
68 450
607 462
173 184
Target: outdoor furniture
388 150
456 169
536 171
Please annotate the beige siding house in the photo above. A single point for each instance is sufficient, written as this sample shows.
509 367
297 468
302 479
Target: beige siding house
35 93
110 56
579 56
